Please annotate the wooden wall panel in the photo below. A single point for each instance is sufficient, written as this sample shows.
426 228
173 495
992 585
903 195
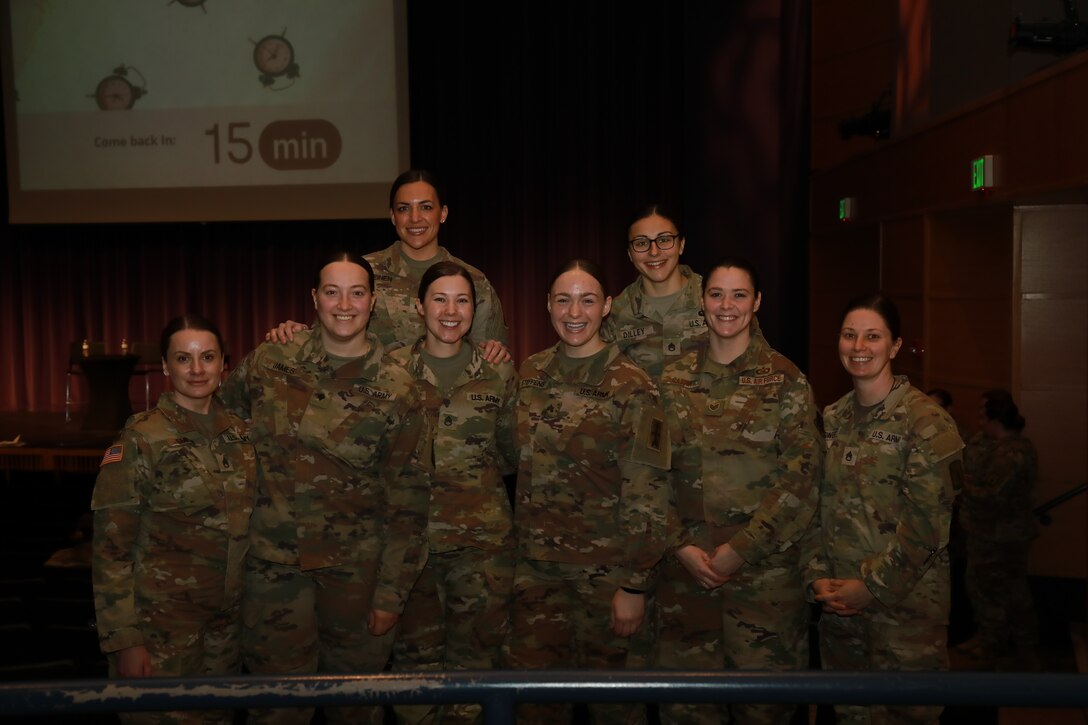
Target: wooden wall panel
902 270
971 254
842 265
970 342
1056 424
1052 378
1035 128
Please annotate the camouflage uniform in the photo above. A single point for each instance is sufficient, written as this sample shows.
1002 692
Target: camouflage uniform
340 522
746 461
458 612
171 530
890 476
395 320
652 343
590 512
995 512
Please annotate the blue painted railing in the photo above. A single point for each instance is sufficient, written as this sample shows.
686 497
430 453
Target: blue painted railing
499 691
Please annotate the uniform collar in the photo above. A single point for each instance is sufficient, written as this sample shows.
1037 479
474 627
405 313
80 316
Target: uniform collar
900 387
398 263
312 351
419 370
689 292
590 371
753 356
179 417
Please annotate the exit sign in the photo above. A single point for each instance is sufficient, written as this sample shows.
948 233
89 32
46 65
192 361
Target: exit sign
982 173
846 209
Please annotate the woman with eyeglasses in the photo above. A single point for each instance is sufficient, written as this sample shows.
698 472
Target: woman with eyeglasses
591 501
658 317
746 461
879 560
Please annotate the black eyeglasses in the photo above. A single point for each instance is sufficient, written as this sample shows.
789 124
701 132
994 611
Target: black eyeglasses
663 242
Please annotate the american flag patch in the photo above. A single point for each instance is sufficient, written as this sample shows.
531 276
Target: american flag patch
113 455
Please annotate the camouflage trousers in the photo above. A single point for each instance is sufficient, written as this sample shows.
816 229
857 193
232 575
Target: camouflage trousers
188 633
304 622
456 617
561 619
900 643
758 620
997 585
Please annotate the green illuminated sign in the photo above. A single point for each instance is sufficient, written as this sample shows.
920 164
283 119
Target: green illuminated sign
982 173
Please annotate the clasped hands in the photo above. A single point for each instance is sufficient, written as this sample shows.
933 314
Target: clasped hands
710 570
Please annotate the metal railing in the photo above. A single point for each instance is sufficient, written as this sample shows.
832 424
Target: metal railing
1042 511
499 691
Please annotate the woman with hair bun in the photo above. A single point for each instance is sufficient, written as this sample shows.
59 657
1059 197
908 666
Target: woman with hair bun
658 317
879 561
1001 469
172 505
458 612
338 535
746 464
591 498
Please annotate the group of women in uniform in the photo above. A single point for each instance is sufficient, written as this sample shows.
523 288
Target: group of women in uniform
675 504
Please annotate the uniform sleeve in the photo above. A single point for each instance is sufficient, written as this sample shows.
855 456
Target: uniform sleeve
787 508
813 555
608 326
407 495
685 525
643 458
925 512
506 427
488 322
234 393
117 508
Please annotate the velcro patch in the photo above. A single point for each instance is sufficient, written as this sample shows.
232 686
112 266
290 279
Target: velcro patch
652 445
884 436
762 379
114 454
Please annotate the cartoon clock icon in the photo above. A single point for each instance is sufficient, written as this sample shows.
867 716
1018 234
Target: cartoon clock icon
274 57
116 92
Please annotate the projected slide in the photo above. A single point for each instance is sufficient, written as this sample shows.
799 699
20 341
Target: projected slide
211 97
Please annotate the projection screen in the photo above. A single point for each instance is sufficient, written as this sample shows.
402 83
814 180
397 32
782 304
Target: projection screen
203 110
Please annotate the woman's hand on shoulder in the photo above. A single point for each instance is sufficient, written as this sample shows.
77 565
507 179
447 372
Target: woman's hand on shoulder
628 611
134 662
495 352
284 332
697 562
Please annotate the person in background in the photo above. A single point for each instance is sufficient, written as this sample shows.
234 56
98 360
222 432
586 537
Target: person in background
658 317
591 499
1001 471
878 559
339 531
746 464
457 614
172 506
